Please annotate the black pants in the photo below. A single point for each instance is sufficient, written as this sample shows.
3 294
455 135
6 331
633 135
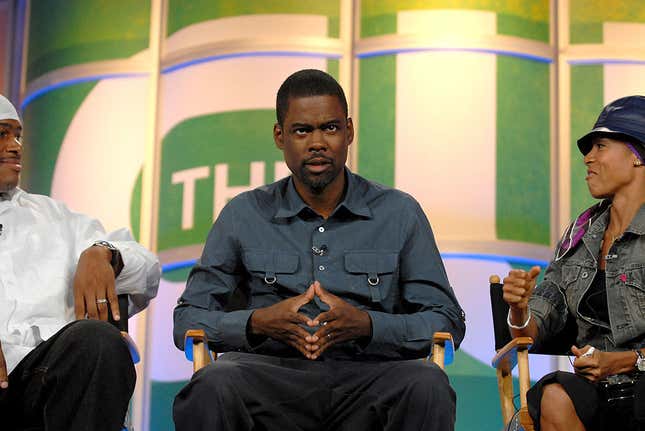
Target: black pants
243 391
80 379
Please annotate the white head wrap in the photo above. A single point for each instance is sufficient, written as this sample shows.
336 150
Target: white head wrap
7 110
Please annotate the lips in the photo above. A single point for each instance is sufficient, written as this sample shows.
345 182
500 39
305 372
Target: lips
317 165
12 162
317 161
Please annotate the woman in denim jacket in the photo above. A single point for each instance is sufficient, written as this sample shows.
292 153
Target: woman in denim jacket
597 278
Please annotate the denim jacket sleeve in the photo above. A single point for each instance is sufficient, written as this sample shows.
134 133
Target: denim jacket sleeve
548 304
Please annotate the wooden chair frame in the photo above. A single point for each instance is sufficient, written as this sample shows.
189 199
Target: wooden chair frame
515 352
197 351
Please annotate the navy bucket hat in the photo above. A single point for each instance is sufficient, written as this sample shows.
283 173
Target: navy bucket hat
622 119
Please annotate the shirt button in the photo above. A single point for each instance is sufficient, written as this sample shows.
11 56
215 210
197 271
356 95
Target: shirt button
321 267
584 274
321 229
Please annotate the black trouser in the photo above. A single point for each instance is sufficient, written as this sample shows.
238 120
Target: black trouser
243 391
80 379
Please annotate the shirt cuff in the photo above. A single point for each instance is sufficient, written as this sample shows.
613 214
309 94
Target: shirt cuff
252 339
386 328
232 328
540 308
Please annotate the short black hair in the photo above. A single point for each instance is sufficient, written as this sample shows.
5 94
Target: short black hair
306 83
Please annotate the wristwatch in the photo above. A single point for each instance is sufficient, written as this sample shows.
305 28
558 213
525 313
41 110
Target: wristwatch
116 260
640 361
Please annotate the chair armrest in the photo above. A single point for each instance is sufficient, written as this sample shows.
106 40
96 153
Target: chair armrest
506 357
516 352
443 349
132 347
196 348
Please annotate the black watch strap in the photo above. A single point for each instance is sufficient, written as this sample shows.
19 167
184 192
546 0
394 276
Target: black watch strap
116 260
640 360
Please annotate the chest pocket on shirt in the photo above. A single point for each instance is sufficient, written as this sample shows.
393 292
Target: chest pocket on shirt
373 271
570 274
267 268
574 278
635 281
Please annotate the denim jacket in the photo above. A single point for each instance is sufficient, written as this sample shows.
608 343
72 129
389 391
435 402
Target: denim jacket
570 274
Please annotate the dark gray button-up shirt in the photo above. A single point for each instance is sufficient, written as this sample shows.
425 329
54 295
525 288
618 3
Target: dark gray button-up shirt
376 251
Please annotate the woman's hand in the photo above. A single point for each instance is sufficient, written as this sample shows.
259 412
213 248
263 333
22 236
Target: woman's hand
594 365
518 287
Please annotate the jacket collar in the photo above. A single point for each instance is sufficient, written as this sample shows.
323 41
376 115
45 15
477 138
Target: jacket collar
10 195
637 226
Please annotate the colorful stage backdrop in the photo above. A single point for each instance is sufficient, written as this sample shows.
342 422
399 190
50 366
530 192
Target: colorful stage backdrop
165 108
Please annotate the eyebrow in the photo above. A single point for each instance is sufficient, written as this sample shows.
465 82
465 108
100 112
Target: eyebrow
335 121
300 125
9 125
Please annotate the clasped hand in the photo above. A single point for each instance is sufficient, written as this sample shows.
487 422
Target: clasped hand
283 321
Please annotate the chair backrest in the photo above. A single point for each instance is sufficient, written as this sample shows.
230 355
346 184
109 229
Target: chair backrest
559 345
499 308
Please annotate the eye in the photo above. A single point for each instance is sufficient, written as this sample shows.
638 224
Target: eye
331 128
302 130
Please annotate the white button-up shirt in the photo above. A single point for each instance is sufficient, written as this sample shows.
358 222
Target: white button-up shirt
40 244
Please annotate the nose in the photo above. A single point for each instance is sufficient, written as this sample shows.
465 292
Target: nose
12 145
318 142
590 156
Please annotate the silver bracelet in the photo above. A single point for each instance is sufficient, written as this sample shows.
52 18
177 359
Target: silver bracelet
524 325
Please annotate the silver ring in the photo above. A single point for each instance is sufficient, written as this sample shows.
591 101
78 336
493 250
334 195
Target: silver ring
101 301
589 352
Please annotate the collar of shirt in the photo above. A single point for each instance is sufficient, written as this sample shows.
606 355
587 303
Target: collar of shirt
637 225
354 201
8 195
8 199
600 223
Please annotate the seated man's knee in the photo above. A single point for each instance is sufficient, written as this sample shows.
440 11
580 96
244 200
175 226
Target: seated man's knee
426 381
220 376
95 339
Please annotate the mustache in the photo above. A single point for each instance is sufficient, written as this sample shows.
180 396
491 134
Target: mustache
318 158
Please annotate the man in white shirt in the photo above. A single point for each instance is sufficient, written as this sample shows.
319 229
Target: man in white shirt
62 366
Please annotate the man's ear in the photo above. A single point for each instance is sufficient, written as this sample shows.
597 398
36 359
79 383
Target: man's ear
278 136
350 131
